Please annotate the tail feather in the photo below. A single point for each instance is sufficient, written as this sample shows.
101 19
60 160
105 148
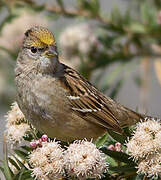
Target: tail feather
130 117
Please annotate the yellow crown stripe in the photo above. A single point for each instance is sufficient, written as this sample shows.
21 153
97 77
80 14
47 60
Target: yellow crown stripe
37 43
43 37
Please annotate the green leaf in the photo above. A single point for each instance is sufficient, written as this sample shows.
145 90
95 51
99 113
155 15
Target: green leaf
95 6
60 2
91 6
148 17
111 161
21 154
19 162
125 168
137 28
118 137
27 174
140 177
119 156
127 16
14 163
101 141
7 171
2 170
116 16
84 4
27 148
23 174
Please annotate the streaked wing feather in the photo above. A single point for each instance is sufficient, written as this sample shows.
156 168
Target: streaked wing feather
88 102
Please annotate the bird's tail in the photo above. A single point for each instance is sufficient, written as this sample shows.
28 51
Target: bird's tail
131 118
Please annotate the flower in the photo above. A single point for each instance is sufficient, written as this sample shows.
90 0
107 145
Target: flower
145 147
146 139
117 147
15 133
17 126
83 160
12 34
15 115
44 138
111 147
77 38
77 42
151 166
47 161
35 144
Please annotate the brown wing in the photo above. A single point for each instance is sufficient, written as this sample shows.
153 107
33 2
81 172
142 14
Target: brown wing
92 105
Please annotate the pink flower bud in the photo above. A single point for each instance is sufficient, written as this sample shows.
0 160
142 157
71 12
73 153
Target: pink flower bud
44 138
111 147
118 147
33 144
118 144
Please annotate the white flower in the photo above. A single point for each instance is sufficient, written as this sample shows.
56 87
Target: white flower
151 166
15 115
145 147
37 173
78 39
47 161
15 133
146 139
17 126
83 160
12 35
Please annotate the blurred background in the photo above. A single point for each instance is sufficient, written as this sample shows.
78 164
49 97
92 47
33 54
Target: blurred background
114 44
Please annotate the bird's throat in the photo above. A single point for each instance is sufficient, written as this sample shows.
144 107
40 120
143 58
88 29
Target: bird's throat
48 65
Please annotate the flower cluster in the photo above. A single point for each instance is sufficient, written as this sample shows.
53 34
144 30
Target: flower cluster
145 147
47 161
84 160
17 126
77 42
14 32
151 165
15 115
81 159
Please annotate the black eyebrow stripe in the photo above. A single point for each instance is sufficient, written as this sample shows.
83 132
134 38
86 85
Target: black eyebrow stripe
29 47
26 47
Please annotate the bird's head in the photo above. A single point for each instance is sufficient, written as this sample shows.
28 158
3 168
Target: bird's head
39 47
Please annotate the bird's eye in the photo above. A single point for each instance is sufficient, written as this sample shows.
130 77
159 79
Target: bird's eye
33 49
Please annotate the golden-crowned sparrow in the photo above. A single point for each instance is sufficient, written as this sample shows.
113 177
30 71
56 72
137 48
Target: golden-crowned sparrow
57 100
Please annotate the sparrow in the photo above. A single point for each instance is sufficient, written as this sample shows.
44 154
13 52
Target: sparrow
57 100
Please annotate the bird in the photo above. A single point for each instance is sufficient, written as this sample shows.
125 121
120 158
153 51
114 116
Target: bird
57 100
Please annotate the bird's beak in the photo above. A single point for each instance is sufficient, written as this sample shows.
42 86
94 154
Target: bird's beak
50 52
